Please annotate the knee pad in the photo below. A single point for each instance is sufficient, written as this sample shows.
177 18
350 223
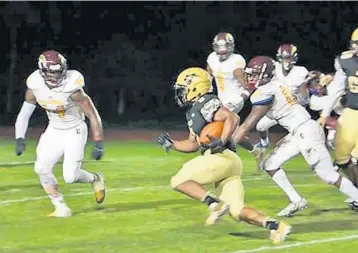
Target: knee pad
260 127
70 178
325 171
43 168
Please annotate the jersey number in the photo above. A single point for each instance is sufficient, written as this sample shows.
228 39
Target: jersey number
220 79
60 110
291 100
353 84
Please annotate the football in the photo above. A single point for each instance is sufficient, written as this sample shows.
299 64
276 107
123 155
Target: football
213 129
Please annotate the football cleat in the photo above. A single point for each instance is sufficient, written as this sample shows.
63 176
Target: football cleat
353 206
99 188
61 212
279 235
293 208
216 212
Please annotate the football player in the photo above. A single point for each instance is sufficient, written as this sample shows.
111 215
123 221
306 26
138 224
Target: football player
274 99
292 75
318 88
227 68
345 87
218 164
60 93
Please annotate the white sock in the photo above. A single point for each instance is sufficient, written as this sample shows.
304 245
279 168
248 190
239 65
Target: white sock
331 134
264 142
348 189
57 200
50 185
86 177
280 178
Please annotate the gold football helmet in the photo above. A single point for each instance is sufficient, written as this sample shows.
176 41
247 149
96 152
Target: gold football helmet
191 84
354 40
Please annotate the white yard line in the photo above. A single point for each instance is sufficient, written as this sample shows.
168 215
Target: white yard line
32 162
130 189
298 244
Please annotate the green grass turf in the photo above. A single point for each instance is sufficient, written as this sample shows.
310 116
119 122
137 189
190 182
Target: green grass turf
142 214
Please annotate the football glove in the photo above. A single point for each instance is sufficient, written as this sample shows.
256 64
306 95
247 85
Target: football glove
20 146
165 141
98 149
215 145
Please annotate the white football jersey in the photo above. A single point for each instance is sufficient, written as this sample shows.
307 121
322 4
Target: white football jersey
285 108
229 89
294 78
62 112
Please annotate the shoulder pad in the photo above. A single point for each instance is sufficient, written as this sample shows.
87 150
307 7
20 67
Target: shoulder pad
211 58
75 81
347 54
262 96
210 107
303 70
239 61
34 81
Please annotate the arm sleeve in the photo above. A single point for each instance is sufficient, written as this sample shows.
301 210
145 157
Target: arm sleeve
22 120
337 87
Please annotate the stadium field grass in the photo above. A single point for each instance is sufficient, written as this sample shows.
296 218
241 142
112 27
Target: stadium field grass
142 214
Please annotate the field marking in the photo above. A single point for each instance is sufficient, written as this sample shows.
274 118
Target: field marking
32 162
129 189
298 244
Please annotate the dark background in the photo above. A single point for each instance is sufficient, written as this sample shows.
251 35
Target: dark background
130 52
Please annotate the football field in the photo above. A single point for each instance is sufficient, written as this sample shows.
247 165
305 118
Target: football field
142 214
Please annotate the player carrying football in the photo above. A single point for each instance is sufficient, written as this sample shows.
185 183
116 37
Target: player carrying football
274 99
291 75
227 68
218 164
345 83
60 93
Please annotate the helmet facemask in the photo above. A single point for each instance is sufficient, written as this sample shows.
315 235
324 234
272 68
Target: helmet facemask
223 49
180 95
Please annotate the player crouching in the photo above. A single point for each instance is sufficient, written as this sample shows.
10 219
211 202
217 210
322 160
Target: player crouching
60 93
218 164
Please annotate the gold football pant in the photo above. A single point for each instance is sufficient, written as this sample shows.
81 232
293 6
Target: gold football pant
223 169
347 136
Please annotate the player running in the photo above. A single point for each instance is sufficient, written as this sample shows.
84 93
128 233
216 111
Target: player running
274 99
218 164
345 83
291 75
227 68
60 93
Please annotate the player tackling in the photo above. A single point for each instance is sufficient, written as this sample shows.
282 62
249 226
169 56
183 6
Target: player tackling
218 164
60 93
273 99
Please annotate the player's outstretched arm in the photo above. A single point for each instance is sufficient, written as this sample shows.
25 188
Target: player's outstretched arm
257 112
186 146
88 108
22 121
